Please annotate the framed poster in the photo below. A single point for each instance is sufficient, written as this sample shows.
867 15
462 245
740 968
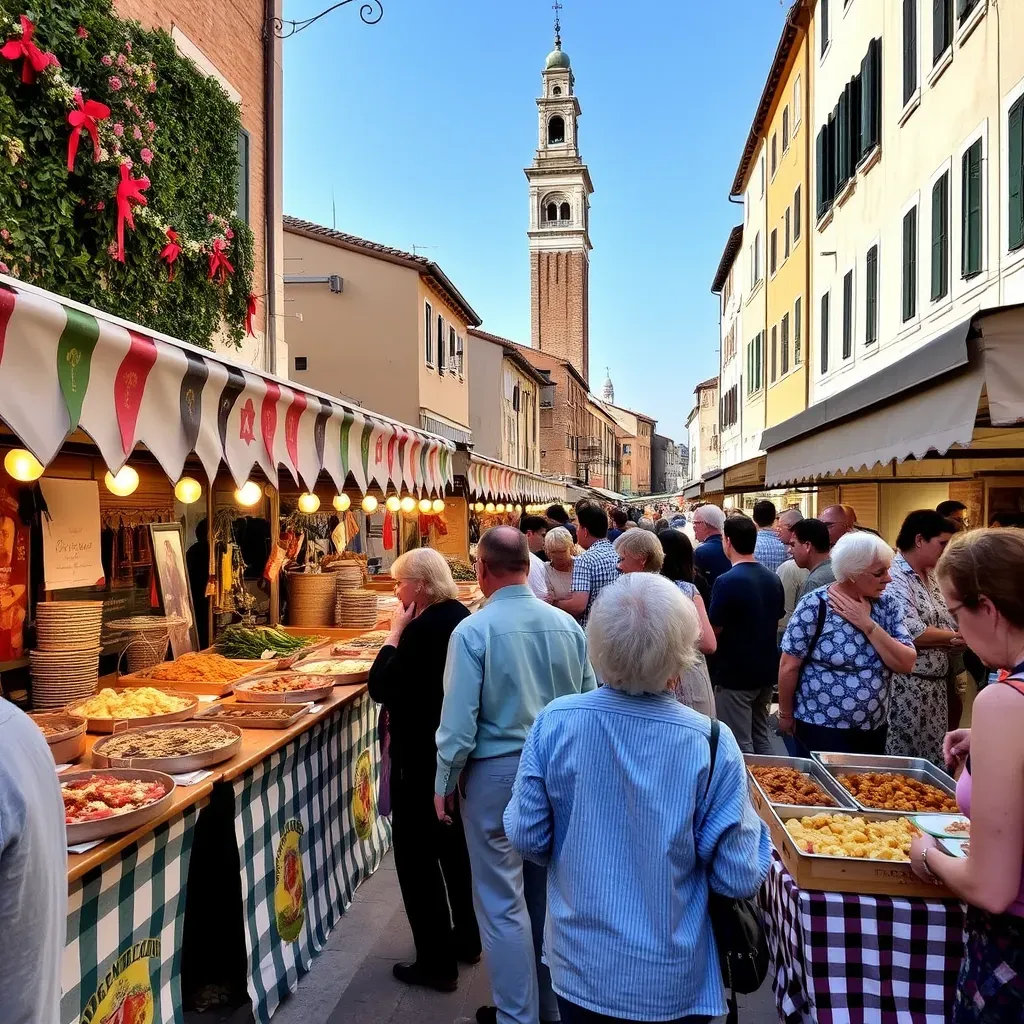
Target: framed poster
172 584
71 534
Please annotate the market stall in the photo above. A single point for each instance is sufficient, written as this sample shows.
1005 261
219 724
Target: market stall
853 934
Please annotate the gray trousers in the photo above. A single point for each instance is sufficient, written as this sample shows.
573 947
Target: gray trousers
746 714
509 896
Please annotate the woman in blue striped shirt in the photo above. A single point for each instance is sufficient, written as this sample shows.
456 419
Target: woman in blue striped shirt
613 796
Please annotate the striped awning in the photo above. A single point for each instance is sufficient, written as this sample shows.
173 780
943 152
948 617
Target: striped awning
65 366
488 479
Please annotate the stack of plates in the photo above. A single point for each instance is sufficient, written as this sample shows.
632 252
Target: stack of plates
348 573
68 625
59 677
356 609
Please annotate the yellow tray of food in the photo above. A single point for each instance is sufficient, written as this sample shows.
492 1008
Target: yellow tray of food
255 716
206 673
100 804
284 688
112 709
343 671
64 732
174 748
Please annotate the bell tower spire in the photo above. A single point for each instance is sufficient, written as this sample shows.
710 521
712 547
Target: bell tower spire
559 232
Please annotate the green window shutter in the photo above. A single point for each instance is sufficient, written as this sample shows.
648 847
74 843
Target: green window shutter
971 249
819 169
909 279
871 297
798 319
940 238
843 140
1015 146
942 27
823 18
856 90
797 213
784 341
875 50
864 143
848 315
824 333
909 49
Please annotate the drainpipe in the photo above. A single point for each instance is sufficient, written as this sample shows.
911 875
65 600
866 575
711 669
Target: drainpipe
269 177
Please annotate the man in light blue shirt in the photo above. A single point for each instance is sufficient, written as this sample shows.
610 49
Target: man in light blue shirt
505 664
769 550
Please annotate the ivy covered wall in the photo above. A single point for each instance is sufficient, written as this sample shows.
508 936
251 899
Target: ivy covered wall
150 126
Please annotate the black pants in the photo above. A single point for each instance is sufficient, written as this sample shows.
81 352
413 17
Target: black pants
434 875
573 1014
843 741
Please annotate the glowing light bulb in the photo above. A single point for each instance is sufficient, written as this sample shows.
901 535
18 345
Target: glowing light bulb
478 507
438 506
489 508
125 483
248 494
393 504
499 507
342 502
408 504
425 506
519 509
188 491
369 504
308 503
22 465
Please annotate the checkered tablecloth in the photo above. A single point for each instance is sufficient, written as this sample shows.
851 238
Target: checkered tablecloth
841 958
124 930
302 798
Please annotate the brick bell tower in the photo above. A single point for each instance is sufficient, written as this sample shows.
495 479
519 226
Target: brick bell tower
560 190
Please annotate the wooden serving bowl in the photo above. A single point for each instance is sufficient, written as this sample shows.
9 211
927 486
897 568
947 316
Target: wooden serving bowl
116 724
68 743
88 831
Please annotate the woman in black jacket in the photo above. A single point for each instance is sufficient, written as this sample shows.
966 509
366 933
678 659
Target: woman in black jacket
430 857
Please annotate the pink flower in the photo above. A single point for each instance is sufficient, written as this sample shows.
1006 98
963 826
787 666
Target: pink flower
5 234
150 126
152 86
147 156
4 269
209 218
127 161
119 129
115 83
137 133
106 60
229 234
128 46
82 32
112 250
101 205
121 61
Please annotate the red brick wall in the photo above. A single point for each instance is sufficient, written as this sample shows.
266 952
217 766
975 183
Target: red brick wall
560 300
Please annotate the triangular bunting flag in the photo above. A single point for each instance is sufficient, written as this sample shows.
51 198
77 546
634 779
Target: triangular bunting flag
100 408
171 407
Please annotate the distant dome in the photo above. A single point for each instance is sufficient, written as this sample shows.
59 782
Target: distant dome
608 391
557 58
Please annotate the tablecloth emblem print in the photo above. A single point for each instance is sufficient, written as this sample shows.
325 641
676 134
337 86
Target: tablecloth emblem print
125 995
364 806
289 883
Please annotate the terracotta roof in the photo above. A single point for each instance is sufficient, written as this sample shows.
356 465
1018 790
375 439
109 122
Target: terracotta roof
430 270
711 382
732 247
528 351
632 412
790 33
512 350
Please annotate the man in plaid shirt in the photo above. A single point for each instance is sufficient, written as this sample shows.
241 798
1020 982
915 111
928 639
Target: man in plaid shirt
769 550
595 569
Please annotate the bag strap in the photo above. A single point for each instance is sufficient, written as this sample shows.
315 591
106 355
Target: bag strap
818 628
713 743
1016 681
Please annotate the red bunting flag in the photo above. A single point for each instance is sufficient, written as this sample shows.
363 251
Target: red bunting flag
129 385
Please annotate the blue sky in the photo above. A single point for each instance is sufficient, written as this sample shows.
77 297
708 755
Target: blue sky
420 127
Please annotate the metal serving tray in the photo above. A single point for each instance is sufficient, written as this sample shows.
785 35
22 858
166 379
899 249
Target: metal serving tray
844 802
929 774
880 762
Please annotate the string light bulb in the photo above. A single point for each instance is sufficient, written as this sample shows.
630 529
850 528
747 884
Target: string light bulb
22 465
369 504
342 503
425 506
478 507
248 494
308 503
519 509
188 490
393 504
500 508
438 506
489 508
126 482
408 504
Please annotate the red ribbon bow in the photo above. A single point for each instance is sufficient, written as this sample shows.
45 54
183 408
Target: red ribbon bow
250 312
170 252
220 266
87 116
24 49
129 190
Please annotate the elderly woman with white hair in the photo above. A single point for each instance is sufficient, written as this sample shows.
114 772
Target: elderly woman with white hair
840 650
628 770
559 547
431 858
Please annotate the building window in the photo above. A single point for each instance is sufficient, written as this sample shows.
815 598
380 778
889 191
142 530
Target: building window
871 98
871 296
909 50
452 351
551 212
824 333
797 103
972 225
556 130
785 245
797 215
798 330
761 170
909 279
940 238
775 154
441 349
243 175
428 341
1015 151
755 260
300 364
785 129
848 315
784 344
775 352
942 28
460 356
564 213
627 449
823 19
964 9
515 398
773 252
755 363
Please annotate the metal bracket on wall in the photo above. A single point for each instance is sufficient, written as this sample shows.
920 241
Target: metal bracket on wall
370 12
337 283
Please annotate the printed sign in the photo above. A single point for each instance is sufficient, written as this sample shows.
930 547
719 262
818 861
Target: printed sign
71 534
364 806
125 995
289 883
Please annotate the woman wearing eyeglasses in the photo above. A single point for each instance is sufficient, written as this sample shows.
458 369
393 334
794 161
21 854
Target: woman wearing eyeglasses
980 576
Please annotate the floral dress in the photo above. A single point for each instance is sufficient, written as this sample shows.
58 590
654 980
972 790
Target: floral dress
918 708
694 687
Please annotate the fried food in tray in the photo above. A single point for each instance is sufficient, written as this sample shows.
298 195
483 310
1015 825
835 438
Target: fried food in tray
888 791
843 835
199 668
788 786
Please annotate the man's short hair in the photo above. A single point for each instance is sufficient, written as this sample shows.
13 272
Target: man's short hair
593 519
504 550
764 512
813 532
789 516
619 518
947 508
556 513
534 524
742 534
711 516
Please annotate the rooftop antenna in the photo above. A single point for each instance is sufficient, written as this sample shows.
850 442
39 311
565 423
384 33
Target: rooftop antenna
334 211
557 8
416 248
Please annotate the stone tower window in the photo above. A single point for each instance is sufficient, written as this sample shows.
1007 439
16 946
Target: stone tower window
556 130
556 90
551 211
564 212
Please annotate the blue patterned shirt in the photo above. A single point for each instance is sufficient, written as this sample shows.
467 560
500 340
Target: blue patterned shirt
622 779
769 550
844 684
593 571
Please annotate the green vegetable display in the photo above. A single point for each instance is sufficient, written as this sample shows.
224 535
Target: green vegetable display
248 643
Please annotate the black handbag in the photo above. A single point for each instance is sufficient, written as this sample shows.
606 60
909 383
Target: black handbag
736 923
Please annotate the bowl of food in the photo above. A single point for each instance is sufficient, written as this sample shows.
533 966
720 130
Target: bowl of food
174 748
141 705
341 670
64 732
285 688
99 804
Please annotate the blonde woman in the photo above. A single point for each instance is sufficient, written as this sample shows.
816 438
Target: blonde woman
430 857
559 547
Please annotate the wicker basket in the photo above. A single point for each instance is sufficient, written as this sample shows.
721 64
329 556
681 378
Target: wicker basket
311 598
347 573
356 609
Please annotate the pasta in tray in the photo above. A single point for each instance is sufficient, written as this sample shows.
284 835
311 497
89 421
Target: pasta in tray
840 835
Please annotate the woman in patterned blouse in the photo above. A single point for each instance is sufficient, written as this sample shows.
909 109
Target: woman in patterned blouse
918 712
839 651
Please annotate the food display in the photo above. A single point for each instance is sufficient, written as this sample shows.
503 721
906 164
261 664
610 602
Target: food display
843 835
955 826
784 785
462 571
256 716
286 687
142 702
198 668
168 741
336 667
251 642
889 791
64 733
100 804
